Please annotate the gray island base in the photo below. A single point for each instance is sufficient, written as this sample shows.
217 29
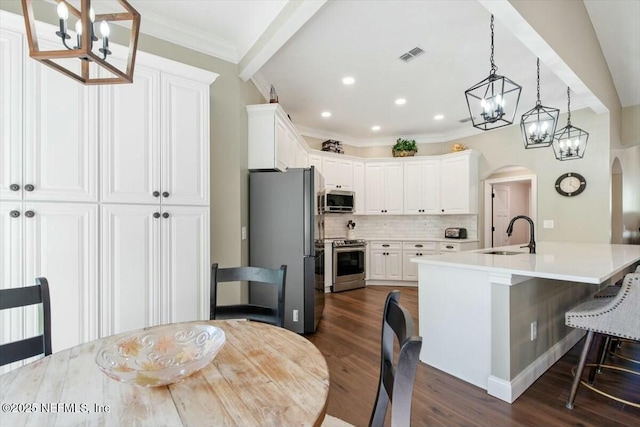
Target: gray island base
497 321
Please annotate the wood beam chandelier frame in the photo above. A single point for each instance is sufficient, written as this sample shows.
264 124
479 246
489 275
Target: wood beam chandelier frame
83 49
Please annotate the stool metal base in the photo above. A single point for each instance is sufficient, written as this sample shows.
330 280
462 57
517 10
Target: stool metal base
610 396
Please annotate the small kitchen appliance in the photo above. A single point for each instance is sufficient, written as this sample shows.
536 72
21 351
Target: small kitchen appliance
455 233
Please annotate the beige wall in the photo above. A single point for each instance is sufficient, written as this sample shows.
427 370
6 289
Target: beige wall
631 125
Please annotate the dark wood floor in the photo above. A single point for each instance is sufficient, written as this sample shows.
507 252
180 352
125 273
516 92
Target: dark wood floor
349 337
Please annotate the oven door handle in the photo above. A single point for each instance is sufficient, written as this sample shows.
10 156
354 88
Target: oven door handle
349 249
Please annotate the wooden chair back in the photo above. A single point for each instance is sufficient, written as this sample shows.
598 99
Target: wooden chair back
22 297
396 381
267 276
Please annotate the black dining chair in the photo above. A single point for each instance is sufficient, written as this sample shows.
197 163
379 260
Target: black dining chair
22 297
395 384
275 278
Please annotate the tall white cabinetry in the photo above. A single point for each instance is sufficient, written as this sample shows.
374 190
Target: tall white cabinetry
155 181
67 219
459 183
48 193
422 186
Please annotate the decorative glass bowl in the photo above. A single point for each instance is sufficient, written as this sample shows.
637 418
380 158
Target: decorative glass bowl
160 355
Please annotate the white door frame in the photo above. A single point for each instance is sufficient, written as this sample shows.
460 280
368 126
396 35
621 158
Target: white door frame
533 201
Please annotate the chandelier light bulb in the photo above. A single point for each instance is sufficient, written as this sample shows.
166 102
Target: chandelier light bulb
79 27
92 14
104 29
63 12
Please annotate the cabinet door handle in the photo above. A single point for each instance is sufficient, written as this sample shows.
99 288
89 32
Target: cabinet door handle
385 245
14 187
156 214
165 194
419 246
449 247
417 254
165 215
156 194
14 214
29 187
29 214
442 210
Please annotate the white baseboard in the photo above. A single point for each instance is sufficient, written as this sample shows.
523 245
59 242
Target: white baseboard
391 283
509 391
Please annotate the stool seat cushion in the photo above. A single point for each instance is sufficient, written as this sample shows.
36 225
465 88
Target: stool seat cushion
617 316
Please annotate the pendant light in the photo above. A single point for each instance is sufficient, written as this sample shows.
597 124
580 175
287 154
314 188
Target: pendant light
538 125
570 142
493 102
85 49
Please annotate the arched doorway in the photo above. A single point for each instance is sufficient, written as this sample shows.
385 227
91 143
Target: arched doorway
617 223
508 191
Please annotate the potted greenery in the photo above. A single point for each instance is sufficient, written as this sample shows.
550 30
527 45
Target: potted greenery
405 147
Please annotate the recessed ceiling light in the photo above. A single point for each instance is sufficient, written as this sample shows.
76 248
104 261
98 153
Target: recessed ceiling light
375 128
438 117
348 80
326 114
401 101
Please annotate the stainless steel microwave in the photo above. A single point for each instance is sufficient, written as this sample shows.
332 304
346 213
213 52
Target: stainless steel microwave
336 201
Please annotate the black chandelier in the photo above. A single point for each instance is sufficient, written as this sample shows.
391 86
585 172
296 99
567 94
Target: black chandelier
493 102
538 125
570 142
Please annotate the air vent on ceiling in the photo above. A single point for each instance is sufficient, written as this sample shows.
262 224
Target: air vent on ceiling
416 51
465 120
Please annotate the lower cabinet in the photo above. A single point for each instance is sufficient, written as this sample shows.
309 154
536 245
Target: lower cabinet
155 265
385 261
57 241
415 250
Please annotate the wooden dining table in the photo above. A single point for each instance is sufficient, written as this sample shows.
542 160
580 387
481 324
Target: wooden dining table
263 376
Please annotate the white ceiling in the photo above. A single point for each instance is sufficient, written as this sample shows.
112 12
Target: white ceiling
364 39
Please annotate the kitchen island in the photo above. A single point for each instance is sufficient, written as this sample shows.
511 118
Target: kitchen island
497 320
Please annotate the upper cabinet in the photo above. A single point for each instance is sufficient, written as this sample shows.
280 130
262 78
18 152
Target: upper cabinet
337 172
383 188
272 138
459 183
43 158
167 117
446 184
359 186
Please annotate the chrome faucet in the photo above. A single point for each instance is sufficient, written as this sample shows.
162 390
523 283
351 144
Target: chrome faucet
532 240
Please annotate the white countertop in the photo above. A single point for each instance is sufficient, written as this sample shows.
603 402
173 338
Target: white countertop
575 262
402 239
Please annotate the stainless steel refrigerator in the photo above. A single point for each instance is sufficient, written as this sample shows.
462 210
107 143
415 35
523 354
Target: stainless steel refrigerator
286 227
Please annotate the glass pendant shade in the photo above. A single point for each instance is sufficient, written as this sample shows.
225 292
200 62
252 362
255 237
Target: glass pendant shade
80 54
538 125
493 102
570 142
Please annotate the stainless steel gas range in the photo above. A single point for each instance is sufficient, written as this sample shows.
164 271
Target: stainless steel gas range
349 267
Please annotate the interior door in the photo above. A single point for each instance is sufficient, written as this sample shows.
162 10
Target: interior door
500 220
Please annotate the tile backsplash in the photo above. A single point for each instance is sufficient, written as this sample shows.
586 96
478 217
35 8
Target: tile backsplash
398 226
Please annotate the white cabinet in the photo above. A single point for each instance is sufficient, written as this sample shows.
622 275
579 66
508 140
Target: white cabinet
385 261
272 138
301 156
415 250
58 241
316 161
49 138
159 277
155 140
459 183
422 186
457 246
359 186
384 188
338 173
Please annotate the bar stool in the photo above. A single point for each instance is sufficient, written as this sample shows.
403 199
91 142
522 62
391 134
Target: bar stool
615 316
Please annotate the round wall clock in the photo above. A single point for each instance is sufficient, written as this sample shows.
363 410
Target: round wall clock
570 184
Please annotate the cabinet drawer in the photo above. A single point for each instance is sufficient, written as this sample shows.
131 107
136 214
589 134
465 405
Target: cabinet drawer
420 246
386 245
449 247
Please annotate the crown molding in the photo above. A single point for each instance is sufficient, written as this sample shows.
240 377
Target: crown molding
183 35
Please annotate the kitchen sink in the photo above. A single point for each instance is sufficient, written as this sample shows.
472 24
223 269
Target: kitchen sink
502 253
